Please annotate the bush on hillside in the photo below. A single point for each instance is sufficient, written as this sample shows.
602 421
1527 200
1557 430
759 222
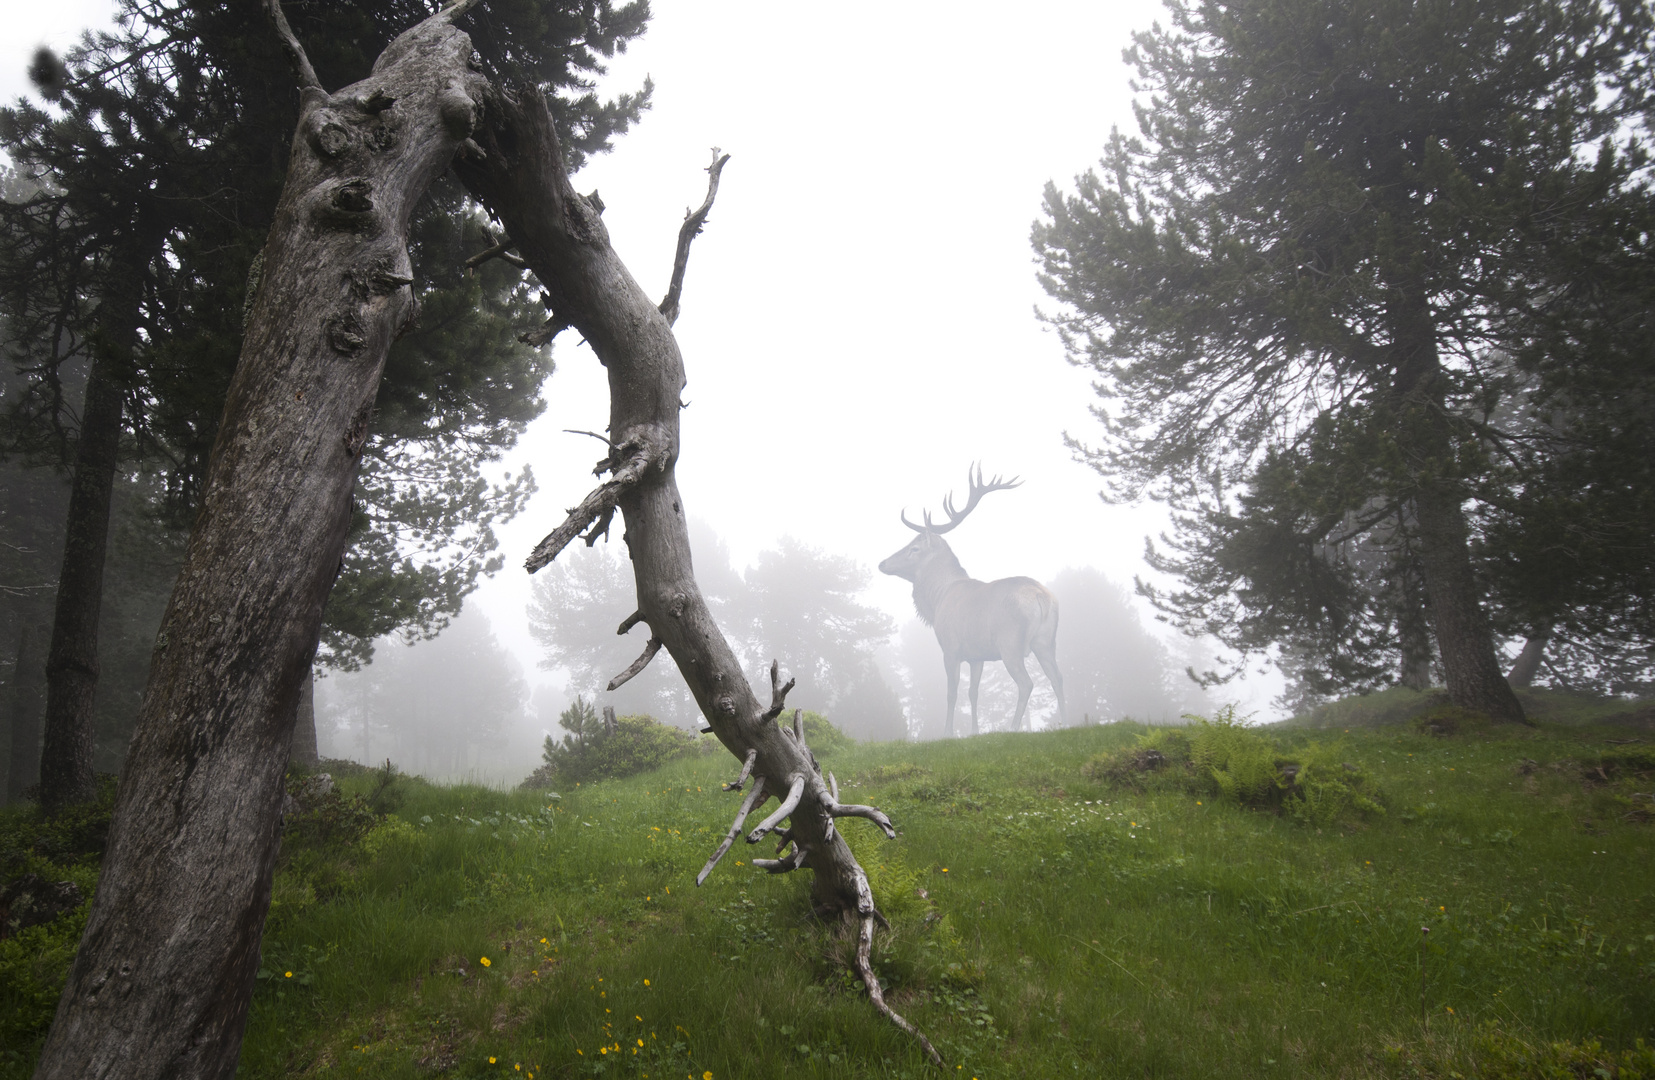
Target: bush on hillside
1223 757
820 734
590 752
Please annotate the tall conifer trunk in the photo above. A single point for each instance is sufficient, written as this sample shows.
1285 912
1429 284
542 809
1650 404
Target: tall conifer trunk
1465 641
66 775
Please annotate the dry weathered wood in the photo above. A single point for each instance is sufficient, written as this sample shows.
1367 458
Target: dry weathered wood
161 984
746 770
694 221
519 176
650 649
795 791
876 993
753 799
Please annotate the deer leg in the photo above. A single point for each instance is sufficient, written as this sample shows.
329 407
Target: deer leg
1046 653
1025 686
976 680
952 667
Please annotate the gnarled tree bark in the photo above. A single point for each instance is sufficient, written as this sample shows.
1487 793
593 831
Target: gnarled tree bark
161 984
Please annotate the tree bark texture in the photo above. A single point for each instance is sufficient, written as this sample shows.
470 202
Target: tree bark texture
520 177
24 768
161 984
66 775
1465 641
302 750
1413 628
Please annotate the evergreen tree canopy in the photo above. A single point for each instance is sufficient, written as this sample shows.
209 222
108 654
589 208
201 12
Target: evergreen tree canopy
1312 287
147 191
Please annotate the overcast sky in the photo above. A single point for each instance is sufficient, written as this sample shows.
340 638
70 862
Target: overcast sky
858 321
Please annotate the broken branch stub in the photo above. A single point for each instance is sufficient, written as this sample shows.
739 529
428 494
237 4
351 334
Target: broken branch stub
519 177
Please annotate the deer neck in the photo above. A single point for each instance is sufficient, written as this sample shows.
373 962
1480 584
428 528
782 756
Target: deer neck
936 575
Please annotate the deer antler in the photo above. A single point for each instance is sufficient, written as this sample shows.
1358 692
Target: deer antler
978 490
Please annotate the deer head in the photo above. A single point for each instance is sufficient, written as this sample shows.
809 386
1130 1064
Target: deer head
929 544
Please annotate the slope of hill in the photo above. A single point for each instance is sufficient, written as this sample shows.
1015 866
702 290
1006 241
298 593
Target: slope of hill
1047 921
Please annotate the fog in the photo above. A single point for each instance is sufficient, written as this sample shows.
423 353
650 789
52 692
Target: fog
458 707
859 327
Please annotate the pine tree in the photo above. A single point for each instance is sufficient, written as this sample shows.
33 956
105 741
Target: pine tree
155 183
1292 287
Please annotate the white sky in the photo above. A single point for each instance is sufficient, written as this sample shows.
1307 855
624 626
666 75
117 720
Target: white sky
858 318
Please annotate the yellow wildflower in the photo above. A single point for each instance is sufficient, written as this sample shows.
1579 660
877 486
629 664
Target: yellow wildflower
485 962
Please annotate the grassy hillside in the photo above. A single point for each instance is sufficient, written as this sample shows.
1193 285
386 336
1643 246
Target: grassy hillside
1048 922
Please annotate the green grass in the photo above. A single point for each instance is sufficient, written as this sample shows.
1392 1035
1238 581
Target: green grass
1068 927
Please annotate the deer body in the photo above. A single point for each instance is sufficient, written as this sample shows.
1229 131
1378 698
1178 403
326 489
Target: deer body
978 621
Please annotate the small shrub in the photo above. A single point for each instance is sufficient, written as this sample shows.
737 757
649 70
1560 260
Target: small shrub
637 745
1226 758
326 816
1242 764
1503 1056
820 734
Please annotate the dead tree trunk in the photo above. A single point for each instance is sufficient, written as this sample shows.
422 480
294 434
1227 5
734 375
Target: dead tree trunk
518 174
161 984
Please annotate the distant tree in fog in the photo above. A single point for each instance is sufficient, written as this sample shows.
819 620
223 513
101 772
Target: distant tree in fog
1113 667
800 607
441 708
575 606
796 605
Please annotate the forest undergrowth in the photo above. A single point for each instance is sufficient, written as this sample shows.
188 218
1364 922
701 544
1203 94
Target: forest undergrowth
1058 909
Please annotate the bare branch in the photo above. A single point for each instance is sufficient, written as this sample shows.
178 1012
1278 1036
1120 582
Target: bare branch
870 813
754 798
642 455
746 770
789 804
599 527
778 694
694 221
601 438
628 623
295 51
650 649
833 787
783 866
501 251
876 994
548 330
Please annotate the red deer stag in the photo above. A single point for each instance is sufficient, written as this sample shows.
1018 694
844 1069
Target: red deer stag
978 621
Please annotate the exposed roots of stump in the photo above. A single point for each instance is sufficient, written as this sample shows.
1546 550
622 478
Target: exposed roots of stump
876 993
